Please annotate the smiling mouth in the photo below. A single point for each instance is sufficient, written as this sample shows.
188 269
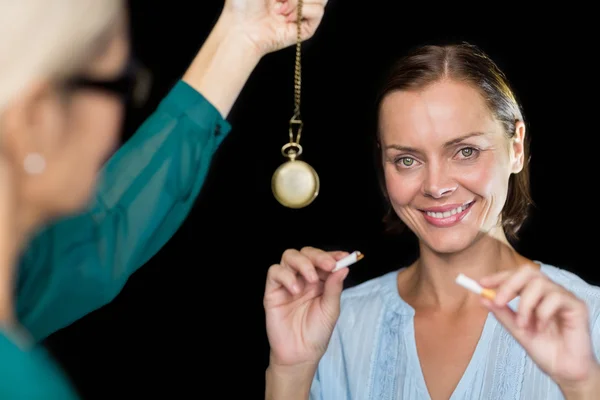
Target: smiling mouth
448 213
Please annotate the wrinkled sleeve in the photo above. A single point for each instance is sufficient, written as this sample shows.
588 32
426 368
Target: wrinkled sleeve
146 191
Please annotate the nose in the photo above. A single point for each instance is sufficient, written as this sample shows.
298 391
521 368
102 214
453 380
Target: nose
438 183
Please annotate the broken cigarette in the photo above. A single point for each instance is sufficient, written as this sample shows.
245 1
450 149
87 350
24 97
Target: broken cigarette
475 287
348 260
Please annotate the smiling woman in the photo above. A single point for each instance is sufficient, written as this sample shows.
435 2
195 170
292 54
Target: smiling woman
472 131
452 152
444 152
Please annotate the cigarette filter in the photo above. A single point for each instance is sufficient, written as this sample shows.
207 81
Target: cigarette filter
475 287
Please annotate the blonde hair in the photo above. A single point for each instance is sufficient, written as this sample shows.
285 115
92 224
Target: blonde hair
49 39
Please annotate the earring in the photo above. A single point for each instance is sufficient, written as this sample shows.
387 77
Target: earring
34 164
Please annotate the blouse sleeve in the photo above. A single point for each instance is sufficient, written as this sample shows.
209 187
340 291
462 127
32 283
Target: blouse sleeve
146 191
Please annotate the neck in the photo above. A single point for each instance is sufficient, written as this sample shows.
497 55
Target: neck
28 224
18 220
12 242
435 273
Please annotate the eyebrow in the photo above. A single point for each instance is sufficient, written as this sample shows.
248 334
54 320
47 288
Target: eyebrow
449 143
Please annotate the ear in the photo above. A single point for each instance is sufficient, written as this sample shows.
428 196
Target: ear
29 123
518 148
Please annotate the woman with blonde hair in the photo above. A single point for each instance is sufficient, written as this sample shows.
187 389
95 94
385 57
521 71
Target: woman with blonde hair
64 77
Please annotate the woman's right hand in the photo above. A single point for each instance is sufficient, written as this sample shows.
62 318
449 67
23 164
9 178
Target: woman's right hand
302 305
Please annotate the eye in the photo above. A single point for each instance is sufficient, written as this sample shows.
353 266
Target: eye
407 161
467 153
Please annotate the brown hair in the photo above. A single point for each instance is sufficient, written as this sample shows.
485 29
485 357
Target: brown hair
465 63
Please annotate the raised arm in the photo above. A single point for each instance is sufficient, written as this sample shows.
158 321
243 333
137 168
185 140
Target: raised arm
147 190
149 186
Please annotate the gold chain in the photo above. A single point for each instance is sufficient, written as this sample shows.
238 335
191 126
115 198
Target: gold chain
296 120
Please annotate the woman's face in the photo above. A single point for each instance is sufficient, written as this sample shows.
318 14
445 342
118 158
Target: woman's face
73 127
447 163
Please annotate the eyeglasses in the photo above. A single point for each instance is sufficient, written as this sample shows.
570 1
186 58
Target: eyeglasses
133 85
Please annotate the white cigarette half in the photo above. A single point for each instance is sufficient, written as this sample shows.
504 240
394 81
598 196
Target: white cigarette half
348 260
474 287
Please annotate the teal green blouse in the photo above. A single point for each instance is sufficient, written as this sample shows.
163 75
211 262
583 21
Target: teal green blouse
80 264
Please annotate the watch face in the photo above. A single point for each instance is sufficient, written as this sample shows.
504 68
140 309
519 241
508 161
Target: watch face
295 184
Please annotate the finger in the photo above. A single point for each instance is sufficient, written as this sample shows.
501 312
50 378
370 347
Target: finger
279 276
495 280
300 263
310 12
531 296
288 6
323 274
508 319
548 308
281 7
557 302
320 258
338 255
332 291
514 284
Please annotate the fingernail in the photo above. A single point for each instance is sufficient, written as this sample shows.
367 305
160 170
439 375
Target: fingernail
313 277
296 288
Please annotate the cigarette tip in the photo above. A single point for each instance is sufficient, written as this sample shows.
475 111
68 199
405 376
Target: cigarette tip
461 278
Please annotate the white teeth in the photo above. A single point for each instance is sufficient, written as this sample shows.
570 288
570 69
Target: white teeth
446 214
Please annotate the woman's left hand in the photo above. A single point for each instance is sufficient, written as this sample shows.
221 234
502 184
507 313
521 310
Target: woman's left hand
550 323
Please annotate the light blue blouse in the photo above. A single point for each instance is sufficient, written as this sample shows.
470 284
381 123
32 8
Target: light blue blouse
372 354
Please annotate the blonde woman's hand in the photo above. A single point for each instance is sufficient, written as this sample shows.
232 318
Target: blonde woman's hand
271 25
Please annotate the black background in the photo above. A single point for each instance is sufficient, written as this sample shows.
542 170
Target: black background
191 320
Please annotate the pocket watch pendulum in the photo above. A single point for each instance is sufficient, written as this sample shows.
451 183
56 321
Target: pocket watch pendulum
295 184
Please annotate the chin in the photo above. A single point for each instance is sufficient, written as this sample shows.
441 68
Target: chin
451 241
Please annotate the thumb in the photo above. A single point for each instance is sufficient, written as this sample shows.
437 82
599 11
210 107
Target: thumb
332 292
